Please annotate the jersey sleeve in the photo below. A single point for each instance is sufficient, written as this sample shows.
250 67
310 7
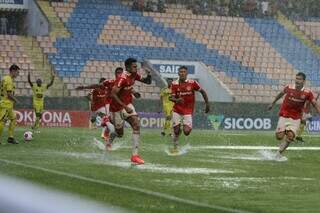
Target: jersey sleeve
33 88
138 77
285 89
174 91
311 96
106 83
121 82
45 87
196 85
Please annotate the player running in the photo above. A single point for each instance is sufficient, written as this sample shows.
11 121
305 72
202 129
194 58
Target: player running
102 103
38 90
7 103
183 96
122 107
291 110
99 103
305 116
167 106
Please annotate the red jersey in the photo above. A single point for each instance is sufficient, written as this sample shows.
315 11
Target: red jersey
99 98
186 91
294 102
108 84
125 82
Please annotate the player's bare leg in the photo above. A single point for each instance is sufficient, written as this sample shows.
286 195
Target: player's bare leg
92 122
135 125
36 125
186 130
107 130
175 138
288 136
300 131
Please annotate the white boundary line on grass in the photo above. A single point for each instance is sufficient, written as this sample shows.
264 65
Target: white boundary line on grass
256 147
130 188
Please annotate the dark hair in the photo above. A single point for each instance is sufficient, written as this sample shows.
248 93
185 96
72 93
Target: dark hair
183 67
118 69
302 75
14 67
102 80
129 61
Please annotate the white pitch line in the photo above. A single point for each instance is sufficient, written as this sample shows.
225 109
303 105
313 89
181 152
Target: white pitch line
130 188
255 147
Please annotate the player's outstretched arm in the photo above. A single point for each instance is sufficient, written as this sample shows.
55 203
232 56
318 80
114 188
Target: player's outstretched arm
29 80
147 79
206 100
92 86
89 96
51 81
280 95
136 94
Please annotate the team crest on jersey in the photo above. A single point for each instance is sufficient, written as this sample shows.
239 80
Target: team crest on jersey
188 88
303 96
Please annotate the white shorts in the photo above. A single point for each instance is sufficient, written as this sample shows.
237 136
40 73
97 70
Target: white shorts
306 116
104 110
288 124
119 117
178 118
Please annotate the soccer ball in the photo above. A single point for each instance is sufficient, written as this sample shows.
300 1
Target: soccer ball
27 136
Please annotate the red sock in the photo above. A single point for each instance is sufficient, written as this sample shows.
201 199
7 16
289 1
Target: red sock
105 120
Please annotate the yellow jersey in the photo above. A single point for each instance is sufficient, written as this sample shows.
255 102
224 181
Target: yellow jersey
7 85
38 92
165 94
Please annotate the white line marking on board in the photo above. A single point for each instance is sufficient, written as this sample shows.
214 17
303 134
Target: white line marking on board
256 147
130 188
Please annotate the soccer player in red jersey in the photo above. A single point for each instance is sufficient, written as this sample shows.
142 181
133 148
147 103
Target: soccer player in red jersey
122 107
291 110
183 96
98 102
103 95
306 115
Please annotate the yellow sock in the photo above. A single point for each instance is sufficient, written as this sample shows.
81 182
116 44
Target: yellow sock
37 123
2 124
12 126
167 126
300 130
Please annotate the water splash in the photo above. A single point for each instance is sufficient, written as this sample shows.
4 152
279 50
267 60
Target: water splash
182 150
269 155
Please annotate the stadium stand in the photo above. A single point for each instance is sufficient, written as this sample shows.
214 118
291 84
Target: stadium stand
64 9
252 56
310 28
12 51
290 47
88 21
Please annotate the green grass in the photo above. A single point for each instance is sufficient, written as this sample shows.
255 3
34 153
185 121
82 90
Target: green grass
235 179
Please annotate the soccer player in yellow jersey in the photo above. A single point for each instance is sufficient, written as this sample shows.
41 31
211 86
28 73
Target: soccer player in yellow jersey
167 106
7 103
38 90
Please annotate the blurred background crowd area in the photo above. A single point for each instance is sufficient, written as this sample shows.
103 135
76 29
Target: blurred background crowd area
238 8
